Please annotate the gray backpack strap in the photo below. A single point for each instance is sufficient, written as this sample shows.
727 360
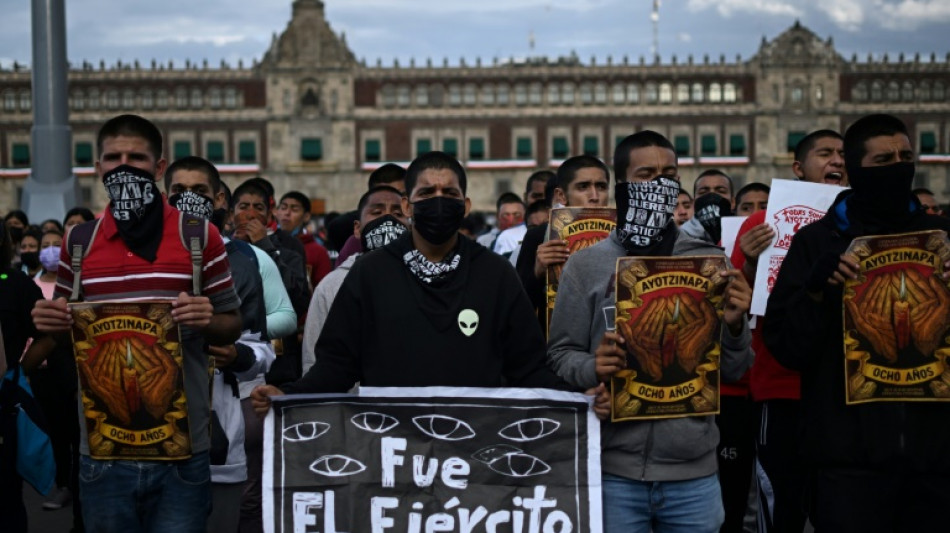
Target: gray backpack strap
79 241
194 236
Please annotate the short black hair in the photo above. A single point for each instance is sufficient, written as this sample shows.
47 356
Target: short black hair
808 142
640 139
366 195
55 222
34 232
865 128
195 164
434 161
508 198
227 193
299 197
538 175
712 172
567 172
688 195
752 187
84 212
536 206
19 215
386 174
250 187
131 126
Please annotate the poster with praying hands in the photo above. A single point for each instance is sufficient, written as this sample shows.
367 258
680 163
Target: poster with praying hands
897 319
432 459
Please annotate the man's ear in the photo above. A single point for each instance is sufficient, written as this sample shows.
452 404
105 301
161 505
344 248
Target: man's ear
219 200
356 229
160 168
560 196
407 206
797 170
306 218
468 205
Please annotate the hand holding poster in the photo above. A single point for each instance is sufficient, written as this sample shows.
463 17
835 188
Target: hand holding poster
432 459
580 227
669 312
131 383
896 319
792 206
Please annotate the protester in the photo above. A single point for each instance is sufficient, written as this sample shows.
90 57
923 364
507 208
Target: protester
928 201
581 181
775 390
427 294
76 216
684 208
876 466
381 221
656 474
389 174
293 216
19 295
751 199
137 254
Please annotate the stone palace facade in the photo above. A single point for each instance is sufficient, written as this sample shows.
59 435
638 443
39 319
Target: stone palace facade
310 116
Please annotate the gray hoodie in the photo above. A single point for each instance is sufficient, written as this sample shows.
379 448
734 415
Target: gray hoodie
673 449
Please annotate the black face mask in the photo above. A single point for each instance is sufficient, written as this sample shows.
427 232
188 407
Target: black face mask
438 219
30 260
882 192
709 210
137 209
380 231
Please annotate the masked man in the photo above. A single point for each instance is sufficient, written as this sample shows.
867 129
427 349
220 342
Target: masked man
429 293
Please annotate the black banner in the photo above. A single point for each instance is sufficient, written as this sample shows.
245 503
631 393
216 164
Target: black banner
434 459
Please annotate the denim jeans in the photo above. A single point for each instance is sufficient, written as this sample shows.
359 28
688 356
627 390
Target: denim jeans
145 496
693 506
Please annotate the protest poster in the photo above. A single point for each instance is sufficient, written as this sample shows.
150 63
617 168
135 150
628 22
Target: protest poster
432 459
669 312
792 206
131 383
896 319
580 227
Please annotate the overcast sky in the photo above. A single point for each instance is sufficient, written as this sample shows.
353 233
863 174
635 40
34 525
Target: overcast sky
404 29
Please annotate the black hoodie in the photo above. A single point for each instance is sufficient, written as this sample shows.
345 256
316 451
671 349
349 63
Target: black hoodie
388 328
806 335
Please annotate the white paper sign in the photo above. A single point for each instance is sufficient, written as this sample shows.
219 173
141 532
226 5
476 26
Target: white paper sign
792 206
730 229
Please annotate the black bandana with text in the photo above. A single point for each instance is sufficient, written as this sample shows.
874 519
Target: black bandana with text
381 231
193 203
427 271
136 207
644 210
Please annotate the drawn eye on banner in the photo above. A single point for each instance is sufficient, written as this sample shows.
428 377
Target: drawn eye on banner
897 319
432 459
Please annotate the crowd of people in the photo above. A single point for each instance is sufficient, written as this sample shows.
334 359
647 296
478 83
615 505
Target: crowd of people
284 301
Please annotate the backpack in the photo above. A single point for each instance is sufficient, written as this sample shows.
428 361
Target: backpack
192 231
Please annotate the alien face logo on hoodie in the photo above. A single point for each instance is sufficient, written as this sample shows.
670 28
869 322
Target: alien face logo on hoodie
468 322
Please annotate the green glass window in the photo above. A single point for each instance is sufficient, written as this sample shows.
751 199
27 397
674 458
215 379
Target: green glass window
373 150
451 146
476 148
83 153
181 149
214 151
423 146
247 151
681 143
928 142
794 137
21 154
312 149
591 145
523 148
559 148
737 144
708 145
